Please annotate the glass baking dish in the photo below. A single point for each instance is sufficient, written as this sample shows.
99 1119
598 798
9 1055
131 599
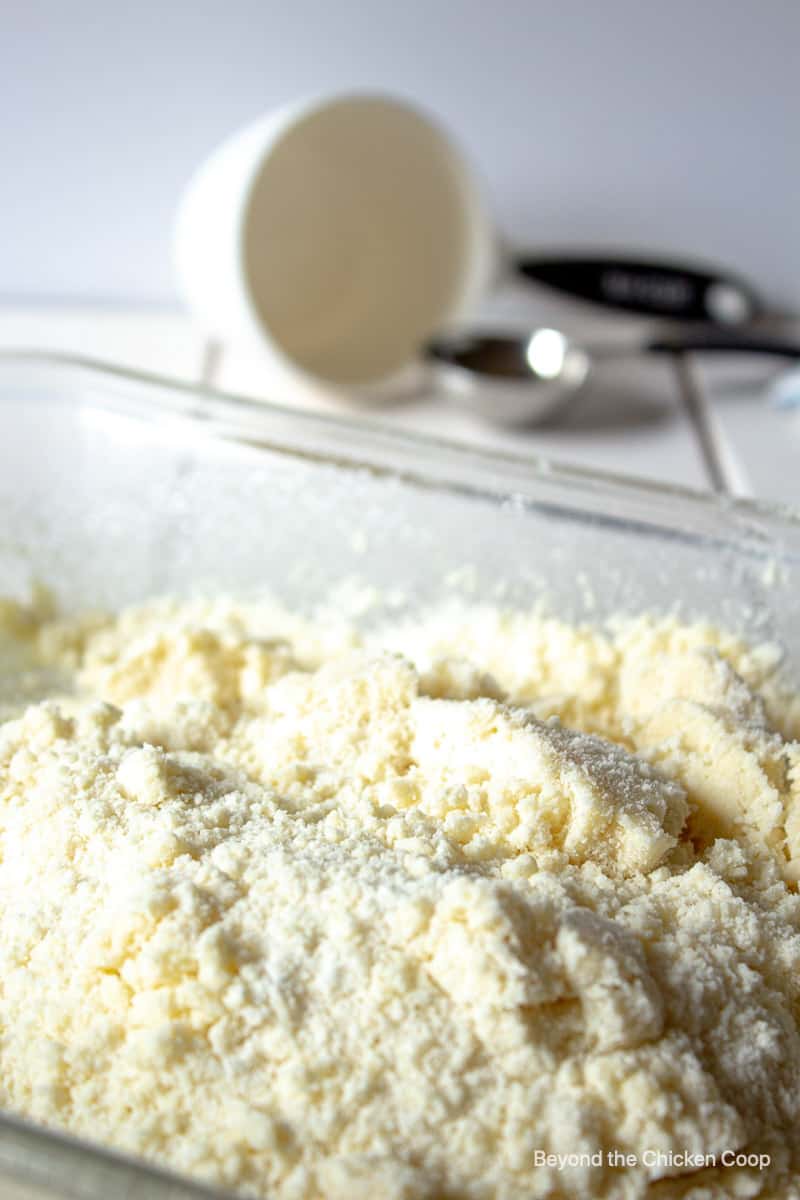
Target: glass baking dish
115 486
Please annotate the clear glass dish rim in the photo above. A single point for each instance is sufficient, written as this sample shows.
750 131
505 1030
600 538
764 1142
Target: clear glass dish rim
754 527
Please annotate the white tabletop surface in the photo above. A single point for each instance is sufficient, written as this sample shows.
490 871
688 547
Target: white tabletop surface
704 422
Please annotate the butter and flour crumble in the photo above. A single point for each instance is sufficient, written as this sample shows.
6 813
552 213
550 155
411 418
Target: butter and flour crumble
416 914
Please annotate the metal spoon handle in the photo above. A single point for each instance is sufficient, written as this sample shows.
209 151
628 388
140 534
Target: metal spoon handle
663 289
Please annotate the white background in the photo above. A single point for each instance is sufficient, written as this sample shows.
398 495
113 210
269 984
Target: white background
670 125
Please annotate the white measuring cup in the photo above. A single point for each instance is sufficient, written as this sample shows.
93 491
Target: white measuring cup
338 234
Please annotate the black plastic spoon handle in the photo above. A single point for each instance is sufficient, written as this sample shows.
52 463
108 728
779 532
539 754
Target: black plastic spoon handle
717 341
654 288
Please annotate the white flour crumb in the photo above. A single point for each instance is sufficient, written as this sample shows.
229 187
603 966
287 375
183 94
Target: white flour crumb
314 914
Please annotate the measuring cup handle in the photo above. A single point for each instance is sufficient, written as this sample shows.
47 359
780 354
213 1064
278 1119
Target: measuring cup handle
648 287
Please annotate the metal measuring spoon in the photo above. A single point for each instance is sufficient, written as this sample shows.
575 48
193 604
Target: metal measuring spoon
521 379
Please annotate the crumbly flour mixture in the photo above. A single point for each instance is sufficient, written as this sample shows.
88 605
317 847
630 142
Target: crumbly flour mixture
485 906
